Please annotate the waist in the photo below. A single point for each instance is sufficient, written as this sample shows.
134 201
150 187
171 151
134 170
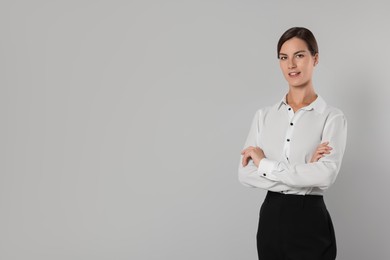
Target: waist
277 198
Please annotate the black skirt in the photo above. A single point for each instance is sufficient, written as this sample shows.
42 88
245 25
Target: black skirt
295 227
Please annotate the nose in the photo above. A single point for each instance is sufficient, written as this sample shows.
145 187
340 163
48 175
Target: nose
291 64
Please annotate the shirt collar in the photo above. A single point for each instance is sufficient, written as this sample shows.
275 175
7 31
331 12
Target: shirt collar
318 104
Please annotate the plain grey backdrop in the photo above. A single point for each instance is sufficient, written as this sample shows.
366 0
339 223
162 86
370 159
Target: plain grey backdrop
122 124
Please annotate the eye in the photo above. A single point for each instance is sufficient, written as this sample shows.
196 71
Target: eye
300 56
282 57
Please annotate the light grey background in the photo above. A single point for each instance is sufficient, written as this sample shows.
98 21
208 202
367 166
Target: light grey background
122 124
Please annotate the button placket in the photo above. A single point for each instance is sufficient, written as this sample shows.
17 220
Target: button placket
286 148
293 118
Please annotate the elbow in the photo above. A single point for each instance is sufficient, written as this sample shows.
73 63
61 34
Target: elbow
330 177
243 178
326 184
246 184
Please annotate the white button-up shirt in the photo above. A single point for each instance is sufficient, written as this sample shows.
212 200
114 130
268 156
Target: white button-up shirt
289 141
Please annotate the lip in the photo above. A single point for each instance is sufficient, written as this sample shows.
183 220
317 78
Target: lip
294 74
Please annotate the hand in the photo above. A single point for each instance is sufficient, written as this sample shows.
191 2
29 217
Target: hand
321 150
254 153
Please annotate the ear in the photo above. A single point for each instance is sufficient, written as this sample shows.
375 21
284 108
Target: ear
316 59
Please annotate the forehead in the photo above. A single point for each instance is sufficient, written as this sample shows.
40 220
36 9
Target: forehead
293 45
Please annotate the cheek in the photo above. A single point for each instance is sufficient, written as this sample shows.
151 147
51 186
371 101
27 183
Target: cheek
308 67
283 67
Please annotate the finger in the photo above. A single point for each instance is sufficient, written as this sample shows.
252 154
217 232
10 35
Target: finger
243 151
247 152
323 153
322 150
245 160
314 159
323 144
244 163
326 148
249 148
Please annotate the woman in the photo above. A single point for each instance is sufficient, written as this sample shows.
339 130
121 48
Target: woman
294 150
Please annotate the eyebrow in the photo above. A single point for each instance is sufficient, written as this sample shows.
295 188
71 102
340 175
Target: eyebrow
294 52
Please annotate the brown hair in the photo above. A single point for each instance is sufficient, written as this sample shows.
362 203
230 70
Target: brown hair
302 33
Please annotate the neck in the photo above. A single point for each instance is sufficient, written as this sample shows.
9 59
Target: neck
300 96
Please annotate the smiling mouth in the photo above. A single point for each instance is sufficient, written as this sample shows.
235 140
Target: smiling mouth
294 74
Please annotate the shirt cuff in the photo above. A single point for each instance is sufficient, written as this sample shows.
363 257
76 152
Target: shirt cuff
266 167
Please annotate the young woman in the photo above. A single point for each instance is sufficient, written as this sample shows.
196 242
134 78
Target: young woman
294 150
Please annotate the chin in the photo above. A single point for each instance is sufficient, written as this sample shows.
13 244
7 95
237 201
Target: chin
295 85
299 84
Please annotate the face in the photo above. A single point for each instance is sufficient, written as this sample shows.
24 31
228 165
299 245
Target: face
297 63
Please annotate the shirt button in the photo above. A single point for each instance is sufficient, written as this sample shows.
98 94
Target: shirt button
291 123
288 140
264 174
289 108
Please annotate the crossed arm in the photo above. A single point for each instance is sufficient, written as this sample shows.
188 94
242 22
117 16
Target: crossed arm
255 170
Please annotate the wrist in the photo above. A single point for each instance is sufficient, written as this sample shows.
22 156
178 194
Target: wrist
258 162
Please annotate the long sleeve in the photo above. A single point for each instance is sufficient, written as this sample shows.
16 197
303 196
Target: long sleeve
249 175
322 173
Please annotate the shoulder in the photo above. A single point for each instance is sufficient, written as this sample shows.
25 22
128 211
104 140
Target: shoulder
329 111
332 112
261 113
263 110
